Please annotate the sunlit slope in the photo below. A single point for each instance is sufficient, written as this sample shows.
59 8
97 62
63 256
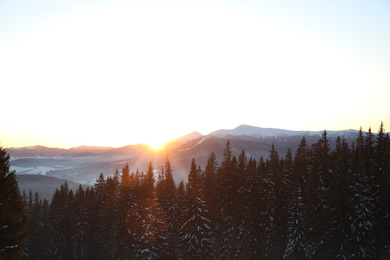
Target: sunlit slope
84 165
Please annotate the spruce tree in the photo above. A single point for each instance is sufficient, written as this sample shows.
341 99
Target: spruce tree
382 184
129 193
35 246
146 221
361 217
296 225
81 214
61 212
340 196
125 178
195 232
270 235
245 235
321 242
107 190
12 216
92 229
167 197
209 185
228 181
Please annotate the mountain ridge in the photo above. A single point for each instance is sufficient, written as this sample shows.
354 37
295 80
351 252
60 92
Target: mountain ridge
241 130
256 131
83 165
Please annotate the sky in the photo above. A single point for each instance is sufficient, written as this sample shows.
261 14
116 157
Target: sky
114 73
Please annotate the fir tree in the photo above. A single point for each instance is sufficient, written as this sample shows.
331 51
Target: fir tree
382 185
146 221
126 179
320 218
195 232
129 193
361 218
229 203
209 185
270 233
340 196
107 192
92 229
34 228
167 197
12 216
81 214
296 225
61 212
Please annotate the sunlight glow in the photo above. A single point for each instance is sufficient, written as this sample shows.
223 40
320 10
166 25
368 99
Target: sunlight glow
156 144
93 76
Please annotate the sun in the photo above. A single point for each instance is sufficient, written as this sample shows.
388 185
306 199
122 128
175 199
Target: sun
157 140
156 144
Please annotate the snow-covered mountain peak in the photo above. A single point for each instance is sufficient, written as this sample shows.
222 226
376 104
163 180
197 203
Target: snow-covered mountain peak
256 132
186 138
260 132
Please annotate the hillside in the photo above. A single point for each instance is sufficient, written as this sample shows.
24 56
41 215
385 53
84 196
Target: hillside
84 164
44 185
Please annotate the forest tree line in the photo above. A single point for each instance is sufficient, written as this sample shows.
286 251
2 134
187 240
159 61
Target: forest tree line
317 203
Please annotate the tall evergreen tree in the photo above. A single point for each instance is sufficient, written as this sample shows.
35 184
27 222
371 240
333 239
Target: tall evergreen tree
243 229
320 217
167 197
341 193
382 185
126 178
12 216
296 225
231 177
270 233
107 193
61 212
129 193
250 208
34 228
92 229
81 214
146 221
361 218
195 232
210 182
281 179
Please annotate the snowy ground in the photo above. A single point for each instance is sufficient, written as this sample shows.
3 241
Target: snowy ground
42 170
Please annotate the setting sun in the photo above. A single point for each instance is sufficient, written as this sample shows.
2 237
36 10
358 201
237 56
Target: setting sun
111 81
156 144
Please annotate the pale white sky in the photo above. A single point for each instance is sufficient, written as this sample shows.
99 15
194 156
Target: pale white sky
124 72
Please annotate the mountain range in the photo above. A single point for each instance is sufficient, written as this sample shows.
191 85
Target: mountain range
83 164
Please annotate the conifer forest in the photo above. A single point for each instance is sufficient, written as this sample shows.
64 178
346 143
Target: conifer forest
313 203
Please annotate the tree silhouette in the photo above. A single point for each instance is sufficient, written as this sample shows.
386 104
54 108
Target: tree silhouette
12 217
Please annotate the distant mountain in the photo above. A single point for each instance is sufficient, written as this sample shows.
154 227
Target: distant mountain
184 139
84 164
255 132
282 139
36 150
44 185
89 149
39 150
246 131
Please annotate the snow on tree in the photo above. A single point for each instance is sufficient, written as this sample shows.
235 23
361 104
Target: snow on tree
195 233
296 225
146 221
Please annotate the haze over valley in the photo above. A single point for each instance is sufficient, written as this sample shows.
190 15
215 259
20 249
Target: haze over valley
83 164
